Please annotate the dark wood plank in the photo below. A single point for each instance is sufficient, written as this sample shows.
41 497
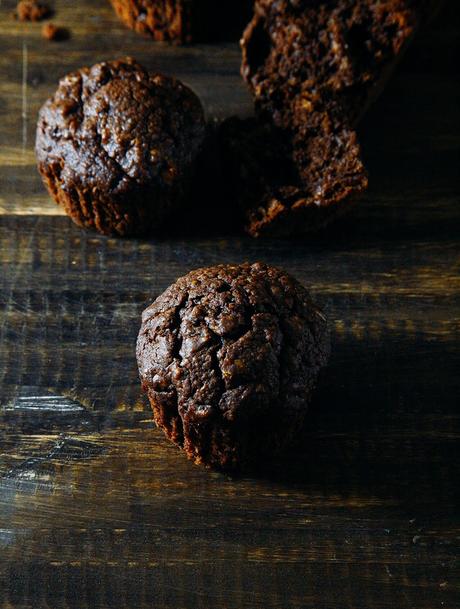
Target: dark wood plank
96 508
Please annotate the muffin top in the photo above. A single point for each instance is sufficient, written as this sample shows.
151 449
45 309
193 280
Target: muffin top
114 127
231 340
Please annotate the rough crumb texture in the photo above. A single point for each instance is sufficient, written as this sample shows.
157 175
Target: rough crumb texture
289 183
229 356
338 50
31 10
313 69
116 146
184 21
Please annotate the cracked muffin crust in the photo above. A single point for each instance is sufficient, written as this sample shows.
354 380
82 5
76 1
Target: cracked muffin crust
184 21
228 356
313 69
117 146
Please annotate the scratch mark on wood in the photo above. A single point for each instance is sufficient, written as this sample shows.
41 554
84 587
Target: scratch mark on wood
44 403
7 537
64 449
24 96
19 270
73 448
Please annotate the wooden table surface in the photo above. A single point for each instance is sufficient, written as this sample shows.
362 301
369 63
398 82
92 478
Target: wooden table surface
97 509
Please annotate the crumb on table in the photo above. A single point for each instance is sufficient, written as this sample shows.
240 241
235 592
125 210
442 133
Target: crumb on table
31 10
54 32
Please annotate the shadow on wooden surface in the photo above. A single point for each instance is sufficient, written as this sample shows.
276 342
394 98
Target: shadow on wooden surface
369 433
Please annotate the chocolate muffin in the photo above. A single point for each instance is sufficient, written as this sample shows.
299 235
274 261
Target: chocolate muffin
291 182
117 146
184 21
313 69
228 356
340 50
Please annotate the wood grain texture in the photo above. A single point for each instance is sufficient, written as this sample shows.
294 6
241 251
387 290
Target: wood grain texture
97 510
